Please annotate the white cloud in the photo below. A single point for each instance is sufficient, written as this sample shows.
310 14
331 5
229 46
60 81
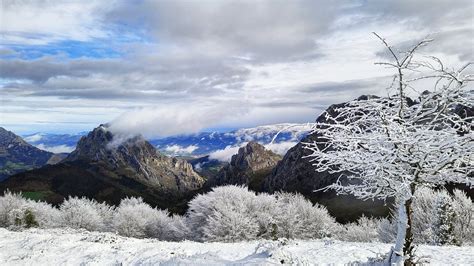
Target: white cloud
173 119
33 138
281 147
225 154
56 149
206 63
180 150
40 22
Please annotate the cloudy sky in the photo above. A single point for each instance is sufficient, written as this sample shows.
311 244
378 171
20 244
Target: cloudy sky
171 67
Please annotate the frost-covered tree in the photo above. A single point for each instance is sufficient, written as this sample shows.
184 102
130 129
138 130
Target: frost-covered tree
464 209
11 206
445 219
133 217
266 213
224 214
390 147
363 230
44 214
426 217
298 218
233 213
18 212
162 226
85 213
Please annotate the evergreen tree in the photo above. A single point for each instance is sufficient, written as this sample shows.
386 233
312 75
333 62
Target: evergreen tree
445 219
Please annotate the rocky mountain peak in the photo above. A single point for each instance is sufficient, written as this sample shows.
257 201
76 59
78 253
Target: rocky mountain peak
102 145
248 167
136 158
254 157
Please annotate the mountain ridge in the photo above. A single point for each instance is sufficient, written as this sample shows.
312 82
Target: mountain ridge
17 155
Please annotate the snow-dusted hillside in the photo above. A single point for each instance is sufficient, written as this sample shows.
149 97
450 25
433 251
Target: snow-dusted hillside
68 247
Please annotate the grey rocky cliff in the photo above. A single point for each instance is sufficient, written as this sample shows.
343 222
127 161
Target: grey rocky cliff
138 159
247 167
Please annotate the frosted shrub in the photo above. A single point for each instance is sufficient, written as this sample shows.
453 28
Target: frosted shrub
164 227
224 214
264 208
17 212
443 227
135 218
464 220
428 215
387 230
363 230
424 214
85 213
232 213
180 230
12 206
299 218
45 214
132 217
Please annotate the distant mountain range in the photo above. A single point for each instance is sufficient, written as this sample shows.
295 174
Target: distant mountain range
223 144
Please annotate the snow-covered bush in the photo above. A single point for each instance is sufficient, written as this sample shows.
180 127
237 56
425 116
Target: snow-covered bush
224 214
387 230
298 218
164 227
233 213
135 218
17 212
443 227
45 214
464 224
428 215
424 214
363 230
132 217
12 206
85 213
266 212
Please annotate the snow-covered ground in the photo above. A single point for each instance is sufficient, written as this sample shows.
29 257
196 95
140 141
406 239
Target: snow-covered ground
68 247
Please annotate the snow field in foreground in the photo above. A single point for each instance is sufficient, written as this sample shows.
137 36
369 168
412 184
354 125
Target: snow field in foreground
72 247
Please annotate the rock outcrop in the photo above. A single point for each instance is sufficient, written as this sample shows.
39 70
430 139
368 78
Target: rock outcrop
138 158
248 167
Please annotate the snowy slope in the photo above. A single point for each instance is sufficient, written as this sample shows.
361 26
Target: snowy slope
67 247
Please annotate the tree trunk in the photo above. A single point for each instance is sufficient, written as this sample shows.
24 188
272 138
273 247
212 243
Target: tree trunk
403 251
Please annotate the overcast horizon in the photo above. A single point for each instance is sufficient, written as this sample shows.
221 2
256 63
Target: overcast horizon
163 68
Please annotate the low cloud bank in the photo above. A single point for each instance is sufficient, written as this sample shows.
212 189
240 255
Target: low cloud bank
280 148
158 122
225 154
56 149
179 150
